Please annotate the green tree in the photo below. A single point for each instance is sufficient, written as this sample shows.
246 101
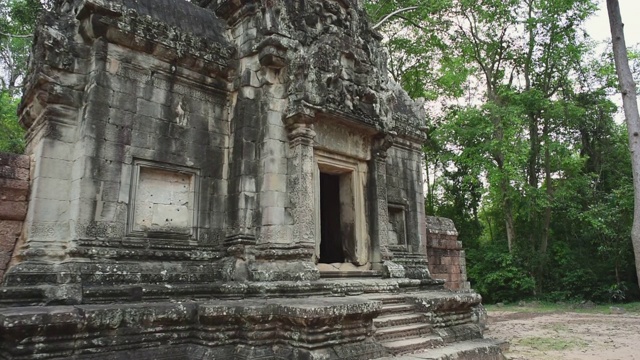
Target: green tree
17 24
523 149
11 134
630 105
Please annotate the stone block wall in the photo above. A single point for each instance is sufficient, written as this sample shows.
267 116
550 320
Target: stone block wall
405 196
14 190
445 253
174 144
128 129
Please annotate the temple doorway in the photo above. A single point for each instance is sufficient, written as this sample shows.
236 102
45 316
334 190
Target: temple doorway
341 232
331 247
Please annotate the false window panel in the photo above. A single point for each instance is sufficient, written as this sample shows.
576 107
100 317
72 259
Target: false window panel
163 201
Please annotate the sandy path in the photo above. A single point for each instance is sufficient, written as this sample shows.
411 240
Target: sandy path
567 335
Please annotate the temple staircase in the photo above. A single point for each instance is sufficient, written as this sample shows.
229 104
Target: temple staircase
401 329
406 330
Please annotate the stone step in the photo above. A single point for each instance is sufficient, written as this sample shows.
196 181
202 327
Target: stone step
396 309
396 320
350 274
479 349
404 331
390 299
398 347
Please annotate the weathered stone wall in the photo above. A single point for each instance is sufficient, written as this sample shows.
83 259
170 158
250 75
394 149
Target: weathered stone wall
14 190
127 117
158 116
446 256
405 193
182 145
329 328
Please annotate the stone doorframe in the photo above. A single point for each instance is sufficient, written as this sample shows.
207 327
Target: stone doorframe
353 175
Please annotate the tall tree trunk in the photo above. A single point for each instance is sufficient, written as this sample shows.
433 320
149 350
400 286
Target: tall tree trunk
630 105
546 226
499 158
532 170
546 223
507 206
509 224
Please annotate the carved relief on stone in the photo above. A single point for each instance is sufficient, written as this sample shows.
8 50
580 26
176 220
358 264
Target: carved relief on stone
381 206
397 226
330 17
301 136
181 113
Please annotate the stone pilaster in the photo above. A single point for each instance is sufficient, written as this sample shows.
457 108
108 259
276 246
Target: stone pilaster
379 206
301 181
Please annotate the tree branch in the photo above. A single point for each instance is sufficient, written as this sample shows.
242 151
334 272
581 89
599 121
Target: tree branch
384 19
16 36
411 22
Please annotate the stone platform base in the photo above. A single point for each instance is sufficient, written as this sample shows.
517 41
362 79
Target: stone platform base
358 319
325 328
71 294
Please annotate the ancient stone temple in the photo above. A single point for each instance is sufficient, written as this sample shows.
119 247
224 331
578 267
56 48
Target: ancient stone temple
228 179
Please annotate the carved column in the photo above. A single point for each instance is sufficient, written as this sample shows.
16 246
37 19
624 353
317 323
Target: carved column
301 180
379 203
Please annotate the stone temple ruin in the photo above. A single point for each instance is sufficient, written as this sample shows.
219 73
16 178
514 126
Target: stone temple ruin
223 179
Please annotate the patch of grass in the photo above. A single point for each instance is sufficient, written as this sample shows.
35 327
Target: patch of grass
552 344
529 307
633 307
548 307
557 327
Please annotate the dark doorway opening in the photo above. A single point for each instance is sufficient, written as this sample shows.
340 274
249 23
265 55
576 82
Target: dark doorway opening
330 233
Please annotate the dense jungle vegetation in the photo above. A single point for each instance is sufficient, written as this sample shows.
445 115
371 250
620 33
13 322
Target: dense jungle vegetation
524 151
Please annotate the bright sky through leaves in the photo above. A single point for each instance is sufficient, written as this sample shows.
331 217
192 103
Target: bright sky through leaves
598 25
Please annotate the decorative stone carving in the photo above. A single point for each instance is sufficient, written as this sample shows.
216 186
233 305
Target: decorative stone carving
379 207
392 270
397 227
301 183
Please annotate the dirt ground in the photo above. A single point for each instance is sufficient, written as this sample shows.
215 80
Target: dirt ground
566 335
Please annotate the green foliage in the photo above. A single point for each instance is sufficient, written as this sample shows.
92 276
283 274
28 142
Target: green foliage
523 152
17 23
498 275
618 292
11 133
